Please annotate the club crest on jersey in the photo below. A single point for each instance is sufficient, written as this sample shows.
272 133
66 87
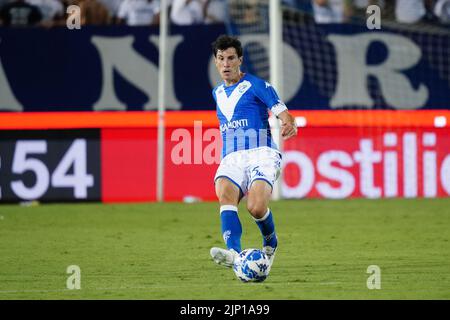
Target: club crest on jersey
242 88
226 104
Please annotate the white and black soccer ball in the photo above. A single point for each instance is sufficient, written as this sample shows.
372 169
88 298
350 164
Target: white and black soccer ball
252 265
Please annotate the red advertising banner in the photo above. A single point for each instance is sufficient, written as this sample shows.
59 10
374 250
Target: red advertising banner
367 162
333 162
128 164
337 154
191 159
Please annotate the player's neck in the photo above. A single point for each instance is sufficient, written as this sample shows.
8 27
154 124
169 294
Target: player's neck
234 81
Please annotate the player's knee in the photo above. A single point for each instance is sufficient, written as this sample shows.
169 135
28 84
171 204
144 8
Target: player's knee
227 198
227 194
257 209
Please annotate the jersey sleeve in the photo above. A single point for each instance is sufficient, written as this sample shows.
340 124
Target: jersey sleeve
267 94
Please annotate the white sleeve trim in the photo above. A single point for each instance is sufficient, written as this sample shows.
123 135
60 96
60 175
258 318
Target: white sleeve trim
278 108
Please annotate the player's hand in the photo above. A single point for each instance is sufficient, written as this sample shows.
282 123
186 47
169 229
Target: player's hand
288 125
288 129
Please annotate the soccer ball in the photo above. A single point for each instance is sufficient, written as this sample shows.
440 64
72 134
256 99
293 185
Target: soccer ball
252 265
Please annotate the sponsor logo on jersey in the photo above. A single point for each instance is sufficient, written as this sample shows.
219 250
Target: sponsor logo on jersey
234 124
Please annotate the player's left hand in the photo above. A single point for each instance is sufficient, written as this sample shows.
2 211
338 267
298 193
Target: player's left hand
288 129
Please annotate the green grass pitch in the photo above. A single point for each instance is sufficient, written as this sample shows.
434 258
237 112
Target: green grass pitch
161 251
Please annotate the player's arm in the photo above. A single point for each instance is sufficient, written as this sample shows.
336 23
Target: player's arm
267 94
288 125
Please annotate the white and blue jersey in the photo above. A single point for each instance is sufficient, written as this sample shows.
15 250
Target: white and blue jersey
242 110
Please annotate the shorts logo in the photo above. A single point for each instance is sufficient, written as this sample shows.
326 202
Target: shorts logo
277 164
257 173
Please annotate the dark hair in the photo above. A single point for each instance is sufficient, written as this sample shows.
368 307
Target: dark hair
224 42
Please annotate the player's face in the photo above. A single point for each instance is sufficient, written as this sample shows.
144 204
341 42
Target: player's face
228 64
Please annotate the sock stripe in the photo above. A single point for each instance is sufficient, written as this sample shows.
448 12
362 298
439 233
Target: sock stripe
228 208
264 217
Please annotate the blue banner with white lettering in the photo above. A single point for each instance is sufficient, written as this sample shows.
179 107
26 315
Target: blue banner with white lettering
324 67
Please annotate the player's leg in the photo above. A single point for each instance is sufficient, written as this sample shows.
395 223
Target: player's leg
229 196
258 205
263 172
230 183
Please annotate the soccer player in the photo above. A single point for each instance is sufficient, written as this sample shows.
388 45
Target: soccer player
251 161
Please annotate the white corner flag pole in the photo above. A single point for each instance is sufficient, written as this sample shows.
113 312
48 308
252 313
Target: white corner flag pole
163 26
276 56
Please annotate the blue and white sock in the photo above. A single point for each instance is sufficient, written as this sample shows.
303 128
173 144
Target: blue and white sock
267 228
231 227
